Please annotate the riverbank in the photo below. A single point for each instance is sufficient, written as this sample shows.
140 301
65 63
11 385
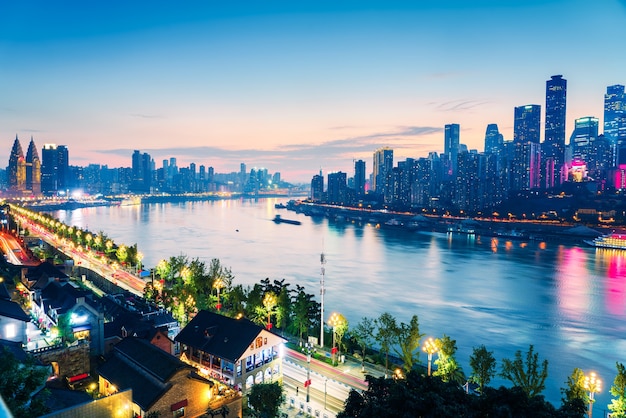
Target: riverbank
549 230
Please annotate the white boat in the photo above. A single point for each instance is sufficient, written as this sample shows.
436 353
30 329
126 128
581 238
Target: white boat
613 240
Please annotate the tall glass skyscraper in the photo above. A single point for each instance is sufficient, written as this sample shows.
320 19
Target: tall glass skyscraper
527 124
359 177
493 139
615 120
383 164
556 95
452 142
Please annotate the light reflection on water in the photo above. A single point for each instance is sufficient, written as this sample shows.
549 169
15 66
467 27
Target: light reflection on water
569 302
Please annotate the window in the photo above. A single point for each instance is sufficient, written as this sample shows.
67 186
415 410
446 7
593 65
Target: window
259 342
179 412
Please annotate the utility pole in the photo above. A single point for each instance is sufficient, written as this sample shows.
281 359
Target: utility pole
322 291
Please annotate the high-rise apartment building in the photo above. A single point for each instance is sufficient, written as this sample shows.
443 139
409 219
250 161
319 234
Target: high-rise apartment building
359 177
554 139
317 188
527 124
33 169
24 173
142 168
452 142
615 121
493 139
582 141
16 170
337 191
383 164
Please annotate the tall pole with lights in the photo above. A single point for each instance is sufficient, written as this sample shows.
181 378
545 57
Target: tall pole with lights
430 348
322 291
307 384
593 385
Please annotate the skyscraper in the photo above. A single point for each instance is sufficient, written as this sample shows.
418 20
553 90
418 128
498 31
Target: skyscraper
359 177
583 137
383 164
452 141
142 172
33 169
493 139
16 170
615 120
527 124
554 139
317 187
337 188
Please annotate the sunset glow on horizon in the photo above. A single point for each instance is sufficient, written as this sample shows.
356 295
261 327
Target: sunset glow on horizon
294 88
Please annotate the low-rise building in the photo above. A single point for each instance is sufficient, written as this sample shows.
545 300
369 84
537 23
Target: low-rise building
161 383
237 352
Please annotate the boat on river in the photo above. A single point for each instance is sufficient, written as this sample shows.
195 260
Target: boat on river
613 240
278 219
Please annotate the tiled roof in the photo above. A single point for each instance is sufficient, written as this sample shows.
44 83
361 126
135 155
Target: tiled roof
221 336
13 310
138 365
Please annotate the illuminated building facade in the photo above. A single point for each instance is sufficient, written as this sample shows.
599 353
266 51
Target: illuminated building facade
527 124
554 139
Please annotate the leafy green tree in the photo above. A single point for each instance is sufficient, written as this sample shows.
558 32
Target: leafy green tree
304 311
415 396
19 381
447 365
385 332
235 300
618 390
122 253
363 333
575 397
483 365
407 337
527 374
266 398
575 387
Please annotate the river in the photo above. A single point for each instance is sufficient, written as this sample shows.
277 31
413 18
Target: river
568 301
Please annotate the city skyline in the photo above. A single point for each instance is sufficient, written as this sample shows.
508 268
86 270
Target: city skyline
294 88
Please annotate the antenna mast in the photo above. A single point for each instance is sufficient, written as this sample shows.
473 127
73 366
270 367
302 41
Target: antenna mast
322 291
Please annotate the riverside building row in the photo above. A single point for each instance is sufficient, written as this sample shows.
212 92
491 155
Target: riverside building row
118 345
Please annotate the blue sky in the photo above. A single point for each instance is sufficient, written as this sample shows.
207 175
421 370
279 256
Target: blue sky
292 86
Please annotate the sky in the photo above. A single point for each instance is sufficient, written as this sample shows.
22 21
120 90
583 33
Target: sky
297 86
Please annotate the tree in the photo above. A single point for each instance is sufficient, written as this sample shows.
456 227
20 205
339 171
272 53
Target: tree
483 365
19 381
266 398
304 311
363 333
618 390
526 373
385 331
447 365
122 253
407 337
575 387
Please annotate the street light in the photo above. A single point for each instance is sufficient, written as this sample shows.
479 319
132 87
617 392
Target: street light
307 384
430 348
593 385
334 321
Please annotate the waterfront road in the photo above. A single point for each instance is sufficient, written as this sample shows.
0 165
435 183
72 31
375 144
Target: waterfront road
14 251
86 258
329 387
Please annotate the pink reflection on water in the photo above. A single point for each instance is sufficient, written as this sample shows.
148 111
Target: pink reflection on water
572 279
615 262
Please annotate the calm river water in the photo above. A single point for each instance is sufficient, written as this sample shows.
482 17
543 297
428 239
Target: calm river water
570 302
